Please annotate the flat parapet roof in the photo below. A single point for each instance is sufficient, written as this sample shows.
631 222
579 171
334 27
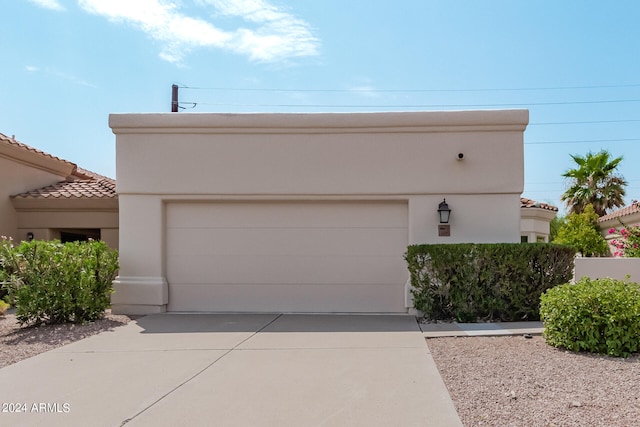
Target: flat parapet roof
415 121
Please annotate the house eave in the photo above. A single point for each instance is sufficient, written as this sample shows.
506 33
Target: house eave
37 160
537 213
65 204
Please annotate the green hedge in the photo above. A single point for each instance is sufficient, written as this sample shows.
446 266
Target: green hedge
472 282
599 316
53 282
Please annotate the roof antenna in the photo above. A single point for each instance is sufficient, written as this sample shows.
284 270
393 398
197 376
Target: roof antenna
174 98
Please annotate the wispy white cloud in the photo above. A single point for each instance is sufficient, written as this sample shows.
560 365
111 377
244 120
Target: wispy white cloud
279 34
365 90
59 74
267 33
48 4
275 34
364 86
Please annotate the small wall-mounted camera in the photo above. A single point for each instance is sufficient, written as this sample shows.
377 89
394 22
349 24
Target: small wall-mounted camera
460 156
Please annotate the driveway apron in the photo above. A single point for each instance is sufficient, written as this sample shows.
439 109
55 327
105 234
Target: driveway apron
234 370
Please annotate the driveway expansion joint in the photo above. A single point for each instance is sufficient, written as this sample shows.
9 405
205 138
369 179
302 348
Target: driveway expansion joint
197 374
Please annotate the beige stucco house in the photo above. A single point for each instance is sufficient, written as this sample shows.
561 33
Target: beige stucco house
535 218
616 267
304 212
626 216
45 197
621 218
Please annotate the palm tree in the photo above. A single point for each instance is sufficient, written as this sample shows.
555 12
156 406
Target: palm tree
594 182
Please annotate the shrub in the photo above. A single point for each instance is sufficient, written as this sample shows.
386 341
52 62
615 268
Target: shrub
582 233
598 316
470 282
53 282
3 307
628 243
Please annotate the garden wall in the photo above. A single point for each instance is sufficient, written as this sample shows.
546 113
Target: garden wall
616 268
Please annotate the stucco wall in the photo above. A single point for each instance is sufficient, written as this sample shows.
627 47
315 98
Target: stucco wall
617 268
368 156
534 223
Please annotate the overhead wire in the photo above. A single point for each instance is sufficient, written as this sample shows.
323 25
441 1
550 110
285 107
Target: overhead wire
369 90
453 105
504 104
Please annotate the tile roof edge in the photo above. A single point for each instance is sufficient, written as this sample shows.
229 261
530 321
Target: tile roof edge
526 203
19 144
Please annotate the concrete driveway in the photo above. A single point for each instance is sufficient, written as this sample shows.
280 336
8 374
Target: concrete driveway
234 370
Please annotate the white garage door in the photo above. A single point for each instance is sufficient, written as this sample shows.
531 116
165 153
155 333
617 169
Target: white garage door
286 256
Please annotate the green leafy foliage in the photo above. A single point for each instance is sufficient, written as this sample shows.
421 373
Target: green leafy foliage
53 282
3 307
470 282
594 181
554 226
581 232
598 316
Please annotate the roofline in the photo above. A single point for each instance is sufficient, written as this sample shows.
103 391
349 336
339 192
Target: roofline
100 204
22 153
382 122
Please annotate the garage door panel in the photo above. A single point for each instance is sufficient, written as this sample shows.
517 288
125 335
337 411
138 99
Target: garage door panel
259 241
286 256
286 215
287 298
287 269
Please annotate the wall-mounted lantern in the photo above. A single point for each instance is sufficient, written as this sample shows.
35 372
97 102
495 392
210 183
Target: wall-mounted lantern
29 236
444 212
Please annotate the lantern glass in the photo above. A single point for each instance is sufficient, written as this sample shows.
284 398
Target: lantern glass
444 212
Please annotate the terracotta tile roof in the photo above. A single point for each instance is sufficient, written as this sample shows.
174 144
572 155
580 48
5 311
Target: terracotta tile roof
81 183
16 143
86 174
104 188
627 210
528 203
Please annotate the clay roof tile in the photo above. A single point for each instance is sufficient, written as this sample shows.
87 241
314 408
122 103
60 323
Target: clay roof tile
528 203
622 212
100 188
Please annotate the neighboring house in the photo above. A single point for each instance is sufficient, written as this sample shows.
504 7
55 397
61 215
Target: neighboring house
45 197
623 217
535 218
628 215
306 212
616 267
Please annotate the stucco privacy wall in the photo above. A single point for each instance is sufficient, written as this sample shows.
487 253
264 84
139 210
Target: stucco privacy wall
616 268
406 158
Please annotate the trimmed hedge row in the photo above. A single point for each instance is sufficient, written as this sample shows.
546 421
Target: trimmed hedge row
470 282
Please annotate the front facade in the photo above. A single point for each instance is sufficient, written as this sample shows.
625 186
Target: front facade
303 212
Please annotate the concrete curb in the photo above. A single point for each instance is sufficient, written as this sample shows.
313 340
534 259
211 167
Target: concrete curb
438 330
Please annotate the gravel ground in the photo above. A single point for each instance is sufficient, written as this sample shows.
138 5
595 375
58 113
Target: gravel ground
514 381
18 343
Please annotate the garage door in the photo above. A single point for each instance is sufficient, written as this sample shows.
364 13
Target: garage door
286 256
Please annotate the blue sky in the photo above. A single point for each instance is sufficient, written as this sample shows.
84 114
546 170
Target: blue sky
574 64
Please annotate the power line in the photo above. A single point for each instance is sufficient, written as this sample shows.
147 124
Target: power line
581 141
373 90
521 104
588 122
